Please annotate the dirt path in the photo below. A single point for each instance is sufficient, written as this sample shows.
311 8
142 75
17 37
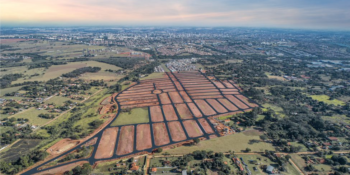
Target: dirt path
145 168
295 166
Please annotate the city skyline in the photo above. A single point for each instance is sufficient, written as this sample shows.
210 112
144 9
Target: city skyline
323 14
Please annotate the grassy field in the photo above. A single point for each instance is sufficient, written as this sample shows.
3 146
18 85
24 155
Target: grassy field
225 117
337 119
278 110
274 77
154 75
57 100
235 142
325 99
32 116
137 115
9 90
296 144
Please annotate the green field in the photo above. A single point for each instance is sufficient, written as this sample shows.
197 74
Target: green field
9 90
325 99
154 75
137 115
57 100
278 110
235 142
32 115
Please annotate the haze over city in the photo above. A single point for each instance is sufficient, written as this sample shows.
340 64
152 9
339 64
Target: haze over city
310 14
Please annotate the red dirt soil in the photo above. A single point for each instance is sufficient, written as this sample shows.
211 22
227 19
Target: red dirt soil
236 101
228 85
160 134
60 170
156 114
205 94
192 128
205 108
185 96
164 98
226 93
107 143
229 90
62 146
205 126
218 84
169 112
178 86
206 97
246 100
176 131
157 91
175 97
126 140
195 110
228 104
143 137
217 106
183 111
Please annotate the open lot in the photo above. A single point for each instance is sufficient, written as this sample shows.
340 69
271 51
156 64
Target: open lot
137 115
32 116
107 143
160 133
126 140
143 137
176 131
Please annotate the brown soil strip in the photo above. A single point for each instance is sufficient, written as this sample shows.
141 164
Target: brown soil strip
236 101
218 84
192 128
107 143
143 137
138 102
164 98
183 111
185 96
169 112
205 94
205 108
205 126
195 110
176 131
126 140
229 90
175 97
228 104
227 93
217 106
156 114
205 97
246 100
160 134
228 85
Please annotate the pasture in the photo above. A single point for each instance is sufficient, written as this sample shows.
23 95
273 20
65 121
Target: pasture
137 115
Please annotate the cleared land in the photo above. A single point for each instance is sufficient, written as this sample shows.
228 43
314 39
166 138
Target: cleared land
183 111
107 143
192 128
136 115
176 131
217 106
126 140
207 128
195 110
228 104
236 101
175 97
169 112
156 114
143 137
205 108
160 134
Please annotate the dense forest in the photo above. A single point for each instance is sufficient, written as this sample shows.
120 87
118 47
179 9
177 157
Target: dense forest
125 63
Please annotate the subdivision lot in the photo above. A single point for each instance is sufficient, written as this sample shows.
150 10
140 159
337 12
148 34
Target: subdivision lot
107 143
185 96
175 97
169 112
245 99
160 133
156 114
176 131
236 101
205 108
183 111
217 106
195 110
206 126
143 137
218 84
164 98
192 128
136 115
228 104
126 140
227 84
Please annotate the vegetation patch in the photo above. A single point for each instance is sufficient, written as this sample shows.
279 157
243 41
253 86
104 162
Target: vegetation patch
132 116
326 99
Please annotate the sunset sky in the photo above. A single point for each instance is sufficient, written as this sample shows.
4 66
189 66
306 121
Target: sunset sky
318 14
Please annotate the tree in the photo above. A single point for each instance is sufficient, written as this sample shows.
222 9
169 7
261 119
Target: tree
159 150
342 160
196 140
247 150
288 157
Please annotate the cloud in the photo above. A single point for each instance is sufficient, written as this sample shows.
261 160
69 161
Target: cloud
332 14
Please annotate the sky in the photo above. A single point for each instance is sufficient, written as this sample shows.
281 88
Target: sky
310 14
